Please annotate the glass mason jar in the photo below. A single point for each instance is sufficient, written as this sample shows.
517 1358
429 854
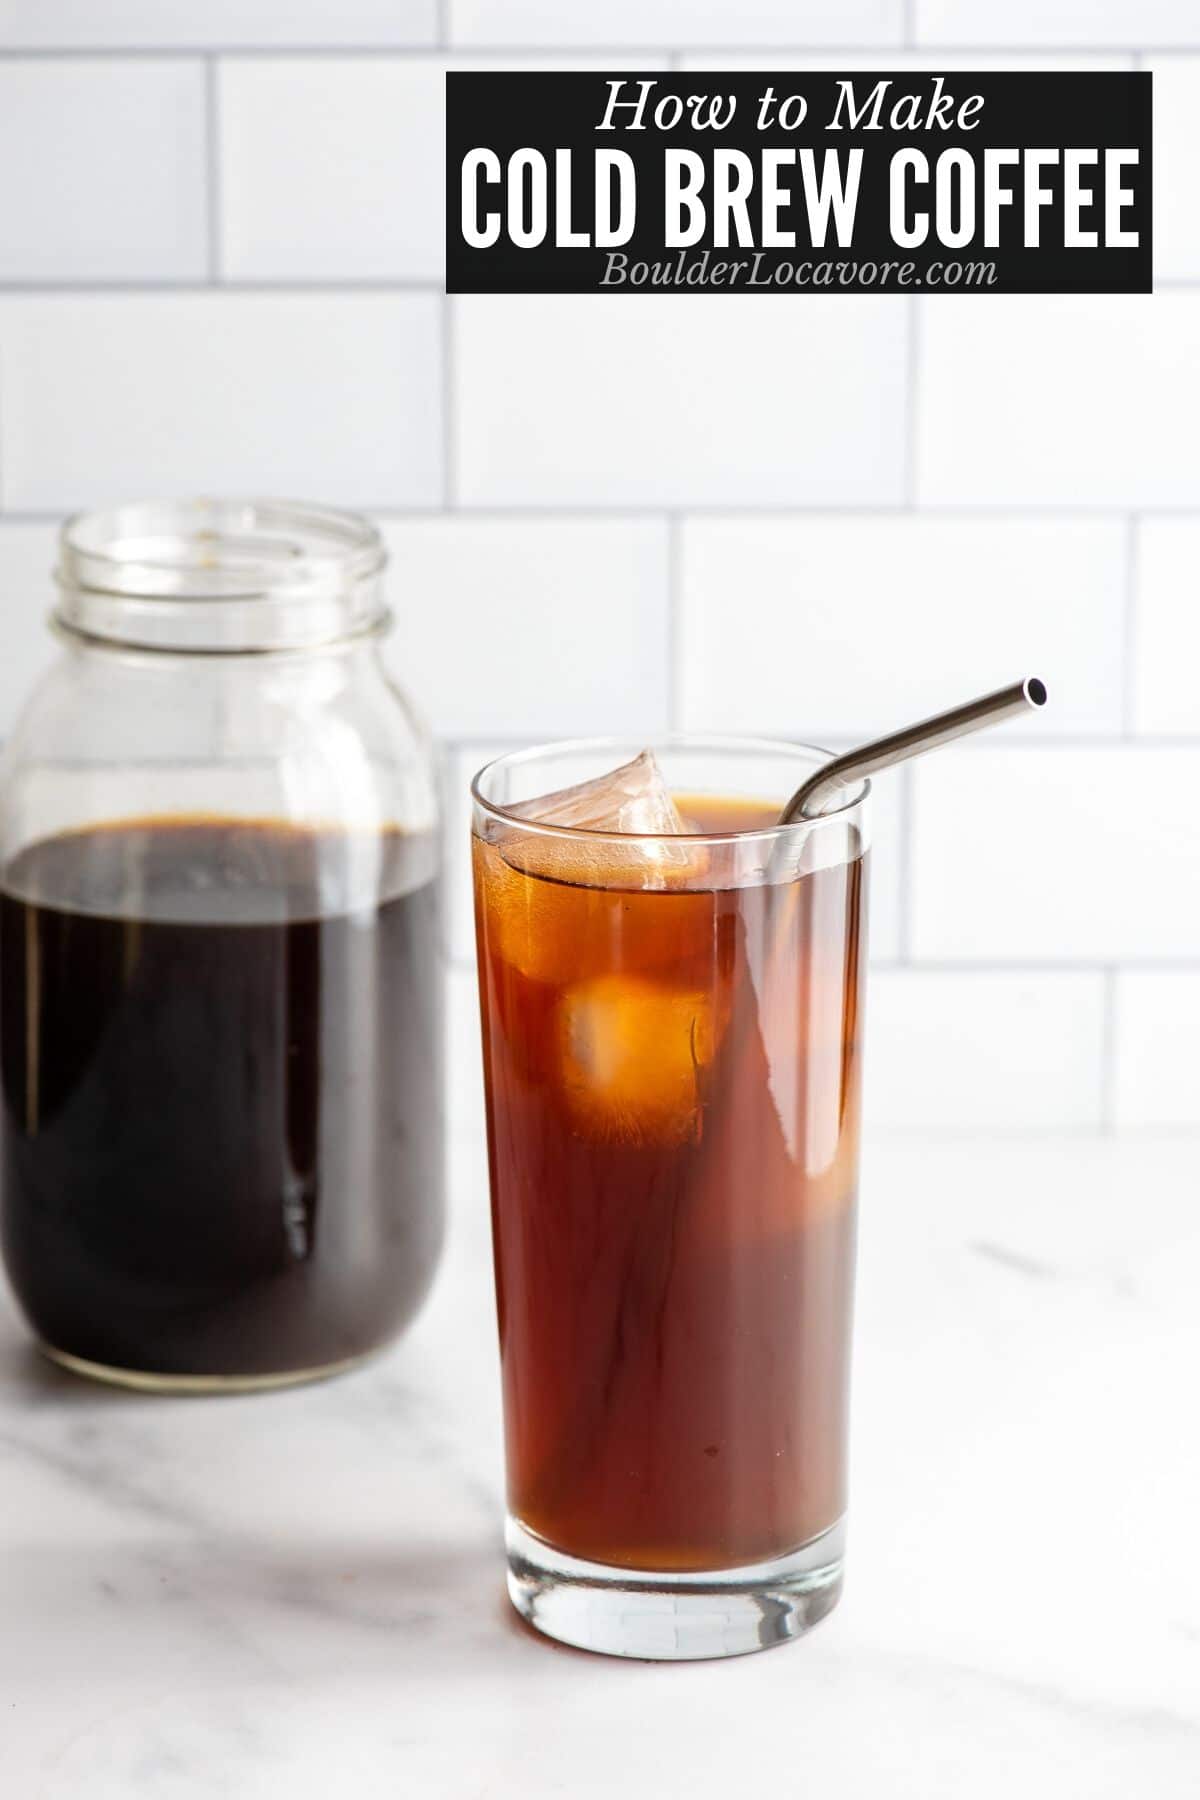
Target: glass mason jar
220 1019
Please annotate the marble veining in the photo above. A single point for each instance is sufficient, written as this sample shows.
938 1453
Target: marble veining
300 1594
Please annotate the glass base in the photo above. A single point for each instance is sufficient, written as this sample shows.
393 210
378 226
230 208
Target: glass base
673 1618
147 1382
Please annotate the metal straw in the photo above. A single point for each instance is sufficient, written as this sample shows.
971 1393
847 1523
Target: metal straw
826 790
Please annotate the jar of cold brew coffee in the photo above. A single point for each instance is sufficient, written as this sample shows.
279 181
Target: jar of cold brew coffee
220 1057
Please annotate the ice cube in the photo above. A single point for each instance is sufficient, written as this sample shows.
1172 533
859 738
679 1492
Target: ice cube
634 1058
633 798
634 805
559 927
539 928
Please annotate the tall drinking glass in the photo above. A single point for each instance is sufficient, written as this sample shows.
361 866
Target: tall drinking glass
672 1039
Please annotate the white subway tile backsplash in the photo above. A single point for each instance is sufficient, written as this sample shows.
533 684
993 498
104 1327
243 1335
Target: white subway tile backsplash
983 1051
332 168
27 557
553 627
1059 400
1086 23
102 169
672 22
1057 855
823 626
1176 166
657 400
327 396
1158 1072
214 24
1167 650
326 167
800 590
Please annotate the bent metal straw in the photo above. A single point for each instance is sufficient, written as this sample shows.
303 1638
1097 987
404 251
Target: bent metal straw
825 791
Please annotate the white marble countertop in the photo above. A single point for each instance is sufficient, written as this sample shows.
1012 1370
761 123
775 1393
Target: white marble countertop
301 1594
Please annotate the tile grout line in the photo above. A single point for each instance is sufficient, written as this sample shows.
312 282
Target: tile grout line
734 511
599 49
1033 965
1129 618
282 284
1018 747
212 167
405 284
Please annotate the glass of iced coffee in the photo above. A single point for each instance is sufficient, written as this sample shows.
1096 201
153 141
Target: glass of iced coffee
671 991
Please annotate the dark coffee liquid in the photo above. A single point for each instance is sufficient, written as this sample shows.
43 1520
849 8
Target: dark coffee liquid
220 1139
673 1100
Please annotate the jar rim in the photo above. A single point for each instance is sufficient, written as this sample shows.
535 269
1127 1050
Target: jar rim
214 574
